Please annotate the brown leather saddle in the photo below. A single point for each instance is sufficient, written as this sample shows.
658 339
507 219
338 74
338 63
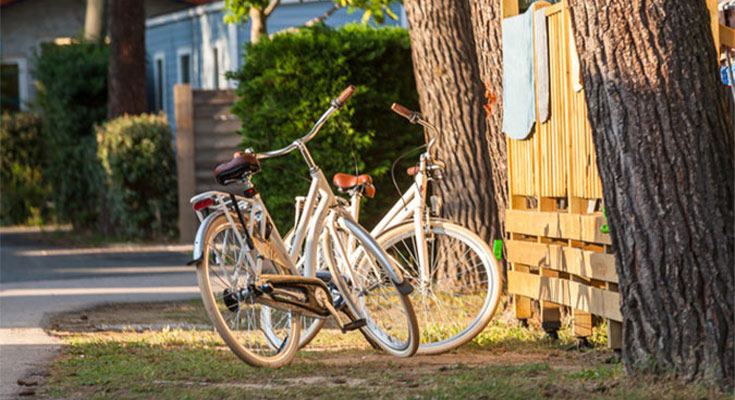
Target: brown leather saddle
242 164
348 182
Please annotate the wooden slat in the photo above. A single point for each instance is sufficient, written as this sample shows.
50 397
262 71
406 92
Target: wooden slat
588 264
727 36
210 97
208 126
510 8
585 228
561 291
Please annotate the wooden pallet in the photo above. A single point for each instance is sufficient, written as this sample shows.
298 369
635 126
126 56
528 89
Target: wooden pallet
557 254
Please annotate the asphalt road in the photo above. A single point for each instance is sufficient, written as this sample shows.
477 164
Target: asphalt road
39 278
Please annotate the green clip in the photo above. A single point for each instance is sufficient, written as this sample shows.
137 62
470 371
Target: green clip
604 228
498 248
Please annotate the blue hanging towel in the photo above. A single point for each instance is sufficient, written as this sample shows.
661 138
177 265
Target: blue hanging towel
519 97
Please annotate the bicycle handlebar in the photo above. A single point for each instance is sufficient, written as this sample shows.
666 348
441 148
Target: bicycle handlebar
335 105
404 112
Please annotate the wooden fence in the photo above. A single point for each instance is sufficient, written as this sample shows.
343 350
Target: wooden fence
557 252
205 137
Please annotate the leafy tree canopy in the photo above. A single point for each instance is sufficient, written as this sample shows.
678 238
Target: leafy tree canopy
237 10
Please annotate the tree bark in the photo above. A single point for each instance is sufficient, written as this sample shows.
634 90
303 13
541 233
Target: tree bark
451 97
487 23
126 93
665 155
258 24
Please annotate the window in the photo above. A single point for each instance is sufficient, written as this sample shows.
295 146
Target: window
14 84
184 58
159 82
10 83
216 68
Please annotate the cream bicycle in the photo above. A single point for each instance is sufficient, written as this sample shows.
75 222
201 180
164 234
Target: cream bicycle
456 279
251 288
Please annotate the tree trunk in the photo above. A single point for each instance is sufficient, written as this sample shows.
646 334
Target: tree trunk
665 155
258 25
94 20
451 96
487 22
127 58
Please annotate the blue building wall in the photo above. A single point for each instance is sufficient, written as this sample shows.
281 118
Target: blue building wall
200 30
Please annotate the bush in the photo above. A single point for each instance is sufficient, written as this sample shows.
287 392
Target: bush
22 188
286 83
72 98
140 192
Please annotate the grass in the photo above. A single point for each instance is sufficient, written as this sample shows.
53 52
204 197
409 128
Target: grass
505 362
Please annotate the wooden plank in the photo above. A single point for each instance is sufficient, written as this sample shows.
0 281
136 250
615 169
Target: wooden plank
727 36
557 225
561 291
184 115
510 8
209 97
209 126
522 305
614 334
215 141
587 264
554 9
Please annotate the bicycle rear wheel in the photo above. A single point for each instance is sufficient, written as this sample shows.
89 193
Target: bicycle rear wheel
365 279
459 297
224 277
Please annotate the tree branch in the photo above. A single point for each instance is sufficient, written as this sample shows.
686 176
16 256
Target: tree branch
310 22
272 6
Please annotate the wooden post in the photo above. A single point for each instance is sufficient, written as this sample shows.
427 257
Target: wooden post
184 115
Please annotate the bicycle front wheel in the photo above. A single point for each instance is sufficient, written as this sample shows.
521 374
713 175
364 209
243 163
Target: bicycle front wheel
224 277
365 278
456 295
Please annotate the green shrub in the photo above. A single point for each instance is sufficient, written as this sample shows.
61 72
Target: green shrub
22 188
140 192
286 83
72 98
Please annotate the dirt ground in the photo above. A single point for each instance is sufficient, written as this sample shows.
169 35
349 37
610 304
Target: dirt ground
167 350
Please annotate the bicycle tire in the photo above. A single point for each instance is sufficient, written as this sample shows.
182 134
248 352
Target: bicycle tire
472 304
217 287
394 328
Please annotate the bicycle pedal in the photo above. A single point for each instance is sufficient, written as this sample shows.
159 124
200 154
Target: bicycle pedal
356 324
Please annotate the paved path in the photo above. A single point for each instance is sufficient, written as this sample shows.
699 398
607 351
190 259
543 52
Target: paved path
38 278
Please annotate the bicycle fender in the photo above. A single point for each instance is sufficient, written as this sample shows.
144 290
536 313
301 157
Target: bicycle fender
199 238
403 285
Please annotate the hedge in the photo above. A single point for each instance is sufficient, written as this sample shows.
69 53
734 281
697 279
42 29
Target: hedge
72 98
286 83
23 191
140 198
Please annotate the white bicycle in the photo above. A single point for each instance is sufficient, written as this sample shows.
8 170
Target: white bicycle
251 287
456 279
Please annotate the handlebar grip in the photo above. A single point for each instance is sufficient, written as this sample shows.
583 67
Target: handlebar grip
346 94
403 111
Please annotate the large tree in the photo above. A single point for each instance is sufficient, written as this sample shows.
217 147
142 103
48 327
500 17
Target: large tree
126 77
452 95
487 24
665 154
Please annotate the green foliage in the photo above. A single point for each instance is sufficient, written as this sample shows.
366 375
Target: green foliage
287 82
137 155
22 189
72 98
237 10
